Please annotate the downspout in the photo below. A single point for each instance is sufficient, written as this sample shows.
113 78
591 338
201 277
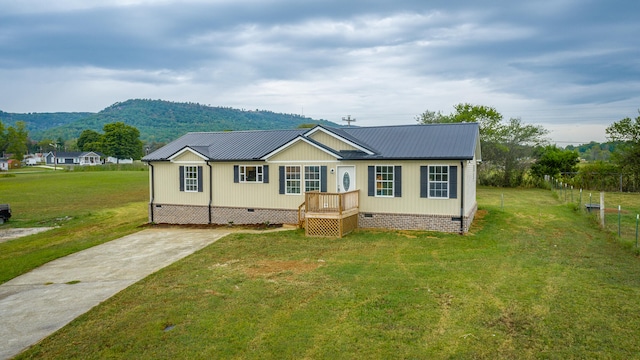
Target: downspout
210 189
153 192
462 198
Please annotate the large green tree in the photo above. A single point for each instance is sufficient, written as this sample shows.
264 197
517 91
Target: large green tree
553 161
90 140
122 141
627 156
514 144
14 140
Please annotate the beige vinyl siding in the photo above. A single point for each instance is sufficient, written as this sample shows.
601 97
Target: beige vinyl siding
226 193
470 181
331 141
301 151
167 184
410 202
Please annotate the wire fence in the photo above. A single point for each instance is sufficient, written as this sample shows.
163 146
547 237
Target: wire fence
616 212
600 181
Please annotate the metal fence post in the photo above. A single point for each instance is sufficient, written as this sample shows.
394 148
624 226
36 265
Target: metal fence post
619 208
637 218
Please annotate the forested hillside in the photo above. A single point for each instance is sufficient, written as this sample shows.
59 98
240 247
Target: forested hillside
157 120
42 121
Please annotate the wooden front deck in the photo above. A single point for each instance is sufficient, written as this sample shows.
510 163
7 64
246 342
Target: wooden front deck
329 214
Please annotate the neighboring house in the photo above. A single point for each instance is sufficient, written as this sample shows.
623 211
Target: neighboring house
73 158
395 177
4 165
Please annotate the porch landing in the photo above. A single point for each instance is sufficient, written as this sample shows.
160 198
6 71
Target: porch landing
329 214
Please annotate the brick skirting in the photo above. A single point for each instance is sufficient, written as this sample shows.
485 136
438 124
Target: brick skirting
189 214
185 214
178 214
244 216
415 221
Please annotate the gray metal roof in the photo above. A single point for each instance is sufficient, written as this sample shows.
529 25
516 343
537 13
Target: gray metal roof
432 141
435 141
227 146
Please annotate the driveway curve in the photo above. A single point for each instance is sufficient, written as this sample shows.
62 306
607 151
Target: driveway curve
36 304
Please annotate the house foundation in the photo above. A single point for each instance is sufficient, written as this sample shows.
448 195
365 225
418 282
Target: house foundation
443 223
191 214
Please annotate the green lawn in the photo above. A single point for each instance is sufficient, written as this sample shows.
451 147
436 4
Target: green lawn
534 279
86 209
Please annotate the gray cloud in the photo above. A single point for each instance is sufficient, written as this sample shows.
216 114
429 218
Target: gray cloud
545 61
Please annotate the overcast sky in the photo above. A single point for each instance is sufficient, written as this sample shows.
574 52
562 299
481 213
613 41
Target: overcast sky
572 66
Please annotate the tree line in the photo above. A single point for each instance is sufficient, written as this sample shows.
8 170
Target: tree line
513 153
118 140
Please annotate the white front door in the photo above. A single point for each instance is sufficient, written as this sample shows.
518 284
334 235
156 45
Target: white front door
346 178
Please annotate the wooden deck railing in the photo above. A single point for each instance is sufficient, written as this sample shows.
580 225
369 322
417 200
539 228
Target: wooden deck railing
317 202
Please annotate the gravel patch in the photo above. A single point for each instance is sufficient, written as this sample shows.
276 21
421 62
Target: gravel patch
10 234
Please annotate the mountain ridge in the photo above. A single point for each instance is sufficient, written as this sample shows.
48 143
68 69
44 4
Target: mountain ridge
157 120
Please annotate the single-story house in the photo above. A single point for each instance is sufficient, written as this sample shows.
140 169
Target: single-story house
73 158
419 177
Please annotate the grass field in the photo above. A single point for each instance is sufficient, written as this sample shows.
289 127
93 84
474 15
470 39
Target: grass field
86 209
533 279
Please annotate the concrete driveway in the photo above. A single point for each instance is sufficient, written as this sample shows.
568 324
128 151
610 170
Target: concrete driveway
36 304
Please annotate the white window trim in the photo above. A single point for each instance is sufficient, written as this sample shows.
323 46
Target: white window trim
300 180
393 184
188 181
242 174
429 182
319 180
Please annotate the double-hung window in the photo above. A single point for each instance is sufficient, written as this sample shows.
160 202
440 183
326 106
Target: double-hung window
251 173
292 179
311 178
384 181
439 181
191 178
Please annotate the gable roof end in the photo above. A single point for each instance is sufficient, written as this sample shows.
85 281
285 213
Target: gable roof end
342 136
197 150
302 138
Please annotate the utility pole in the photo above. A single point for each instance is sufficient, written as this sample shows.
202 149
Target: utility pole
349 120
55 155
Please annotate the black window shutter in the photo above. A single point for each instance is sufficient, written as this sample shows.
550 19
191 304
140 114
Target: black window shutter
323 179
372 180
453 182
181 178
265 174
236 173
397 181
424 182
199 178
281 173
